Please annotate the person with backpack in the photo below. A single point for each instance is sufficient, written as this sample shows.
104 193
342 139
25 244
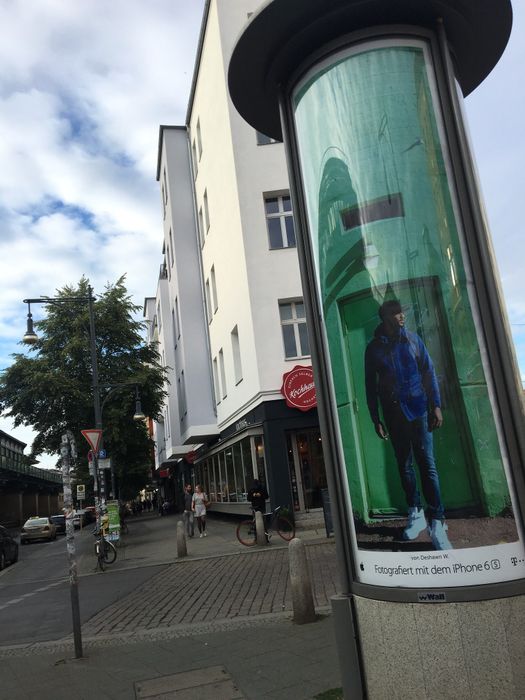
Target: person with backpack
401 379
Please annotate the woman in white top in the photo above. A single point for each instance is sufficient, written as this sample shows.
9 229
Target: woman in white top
199 503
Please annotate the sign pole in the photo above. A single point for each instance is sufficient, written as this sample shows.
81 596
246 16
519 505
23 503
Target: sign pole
67 451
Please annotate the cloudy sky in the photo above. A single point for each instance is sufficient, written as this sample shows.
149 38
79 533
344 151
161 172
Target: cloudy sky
84 85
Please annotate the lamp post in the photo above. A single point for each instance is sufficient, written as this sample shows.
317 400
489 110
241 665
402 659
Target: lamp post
30 338
137 416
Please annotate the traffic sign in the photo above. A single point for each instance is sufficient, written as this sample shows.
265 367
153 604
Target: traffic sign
93 436
81 492
102 454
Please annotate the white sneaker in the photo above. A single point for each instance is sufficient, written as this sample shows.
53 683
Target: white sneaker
438 534
416 523
205 534
200 535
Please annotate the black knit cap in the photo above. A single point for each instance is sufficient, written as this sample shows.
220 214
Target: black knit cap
389 308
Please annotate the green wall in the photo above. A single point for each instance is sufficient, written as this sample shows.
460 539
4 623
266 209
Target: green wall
384 224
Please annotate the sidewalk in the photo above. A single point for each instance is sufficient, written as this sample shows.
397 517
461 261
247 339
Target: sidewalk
216 624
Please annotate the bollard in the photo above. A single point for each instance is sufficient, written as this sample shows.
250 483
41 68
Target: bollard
301 585
181 540
259 528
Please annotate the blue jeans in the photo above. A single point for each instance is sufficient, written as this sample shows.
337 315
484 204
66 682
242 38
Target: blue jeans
189 522
412 441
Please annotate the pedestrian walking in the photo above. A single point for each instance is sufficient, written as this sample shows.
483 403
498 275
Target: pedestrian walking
188 516
198 503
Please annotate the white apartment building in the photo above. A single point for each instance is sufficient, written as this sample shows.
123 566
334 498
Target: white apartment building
228 312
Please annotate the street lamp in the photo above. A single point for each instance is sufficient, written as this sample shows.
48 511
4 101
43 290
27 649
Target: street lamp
137 416
30 338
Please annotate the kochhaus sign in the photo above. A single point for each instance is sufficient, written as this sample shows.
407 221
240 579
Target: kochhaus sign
298 388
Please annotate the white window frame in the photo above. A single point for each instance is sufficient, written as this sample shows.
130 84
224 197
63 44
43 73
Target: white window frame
206 211
237 357
295 321
223 374
216 385
281 215
214 298
207 296
195 160
199 138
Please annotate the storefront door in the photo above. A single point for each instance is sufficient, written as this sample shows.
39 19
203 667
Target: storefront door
307 470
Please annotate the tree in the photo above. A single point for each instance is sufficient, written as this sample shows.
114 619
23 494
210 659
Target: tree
50 388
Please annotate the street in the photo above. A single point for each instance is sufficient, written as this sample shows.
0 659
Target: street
35 593
153 619
219 580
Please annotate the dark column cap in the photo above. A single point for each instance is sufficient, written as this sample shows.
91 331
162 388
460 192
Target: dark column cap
283 33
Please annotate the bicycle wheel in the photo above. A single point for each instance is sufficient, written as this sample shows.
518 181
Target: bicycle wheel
110 552
246 533
285 528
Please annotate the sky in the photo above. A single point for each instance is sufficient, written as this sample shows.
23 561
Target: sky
84 86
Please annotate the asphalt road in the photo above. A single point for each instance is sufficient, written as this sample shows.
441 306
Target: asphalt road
35 602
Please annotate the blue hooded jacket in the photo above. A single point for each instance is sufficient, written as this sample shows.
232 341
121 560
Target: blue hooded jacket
399 372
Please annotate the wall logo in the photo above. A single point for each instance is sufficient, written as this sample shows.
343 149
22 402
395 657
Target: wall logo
299 389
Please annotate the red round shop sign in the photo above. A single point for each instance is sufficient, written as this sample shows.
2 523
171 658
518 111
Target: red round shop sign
299 389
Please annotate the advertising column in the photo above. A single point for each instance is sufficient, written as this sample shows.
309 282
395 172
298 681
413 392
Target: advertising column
428 474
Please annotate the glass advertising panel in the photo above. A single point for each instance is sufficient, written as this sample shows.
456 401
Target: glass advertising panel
427 473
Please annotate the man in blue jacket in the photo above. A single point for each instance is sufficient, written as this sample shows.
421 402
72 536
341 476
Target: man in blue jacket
400 376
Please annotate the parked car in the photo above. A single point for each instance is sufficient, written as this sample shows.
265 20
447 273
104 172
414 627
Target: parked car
59 521
8 548
90 513
37 528
80 518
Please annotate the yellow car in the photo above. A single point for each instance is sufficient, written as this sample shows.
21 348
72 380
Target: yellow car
38 529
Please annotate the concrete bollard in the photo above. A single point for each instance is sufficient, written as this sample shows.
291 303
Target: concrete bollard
182 550
300 582
259 528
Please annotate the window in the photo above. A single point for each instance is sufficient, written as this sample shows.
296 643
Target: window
293 324
159 317
199 138
223 374
181 395
172 247
174 327
214 289
216 381
209 312
236 352
201 227
206 211
263 140
194 159
177 317
279 219
164 192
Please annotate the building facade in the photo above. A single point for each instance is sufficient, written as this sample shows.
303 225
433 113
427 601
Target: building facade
228 314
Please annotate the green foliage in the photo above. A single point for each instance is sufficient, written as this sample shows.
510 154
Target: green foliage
51 387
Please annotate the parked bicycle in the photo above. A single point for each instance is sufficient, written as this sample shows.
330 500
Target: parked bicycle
273 522
105 551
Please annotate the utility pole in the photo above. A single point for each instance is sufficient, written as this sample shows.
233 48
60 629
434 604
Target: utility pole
69 453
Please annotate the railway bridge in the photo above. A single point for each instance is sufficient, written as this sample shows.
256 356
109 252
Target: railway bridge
25 490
